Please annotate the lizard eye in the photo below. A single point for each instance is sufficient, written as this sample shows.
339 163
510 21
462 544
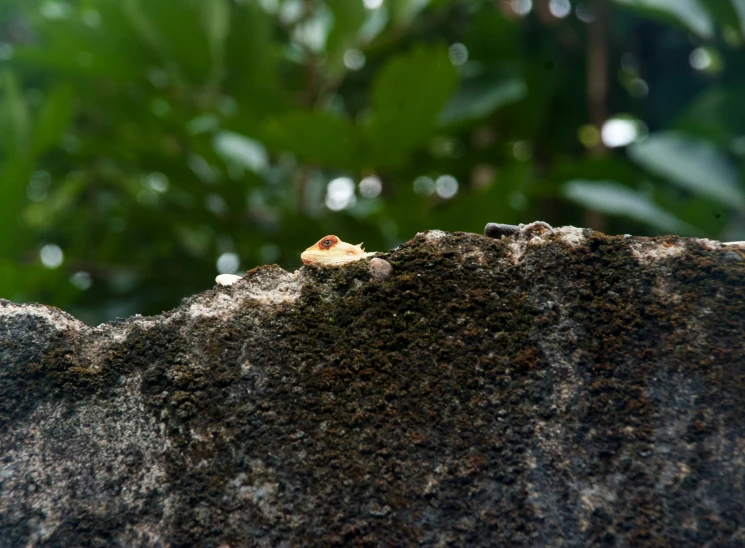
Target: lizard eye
327 242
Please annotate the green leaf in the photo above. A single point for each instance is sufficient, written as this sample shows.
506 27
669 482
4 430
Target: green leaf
403 11
68 47
481 94
239 150
739 7
216 21
493 37
177 31
146 30
717 115
14 176
348 18
689 13
14 117
316 137
375 23
723 13
408 94
53 118
694 165
251 62
613 198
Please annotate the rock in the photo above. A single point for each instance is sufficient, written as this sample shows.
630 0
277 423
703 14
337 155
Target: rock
731 257
561 389
380 268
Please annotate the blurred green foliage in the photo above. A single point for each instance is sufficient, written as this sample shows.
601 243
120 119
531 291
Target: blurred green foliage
143 140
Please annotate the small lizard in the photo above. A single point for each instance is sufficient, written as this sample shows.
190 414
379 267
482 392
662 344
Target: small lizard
328 251
331 251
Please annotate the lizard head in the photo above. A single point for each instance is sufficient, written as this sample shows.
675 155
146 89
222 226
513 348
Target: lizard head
331 251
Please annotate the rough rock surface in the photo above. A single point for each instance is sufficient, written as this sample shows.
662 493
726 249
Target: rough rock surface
563 389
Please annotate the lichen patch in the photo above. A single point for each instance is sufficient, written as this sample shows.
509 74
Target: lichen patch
58 319
572 235
649 250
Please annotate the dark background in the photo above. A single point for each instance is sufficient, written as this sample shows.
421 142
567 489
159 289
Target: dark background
147 145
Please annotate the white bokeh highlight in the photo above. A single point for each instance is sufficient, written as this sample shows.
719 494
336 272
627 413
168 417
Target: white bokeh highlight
51 255
522 7
560 8
700 59
228 263
446 186
340 194
620 132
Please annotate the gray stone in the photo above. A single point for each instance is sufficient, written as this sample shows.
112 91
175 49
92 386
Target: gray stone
543 389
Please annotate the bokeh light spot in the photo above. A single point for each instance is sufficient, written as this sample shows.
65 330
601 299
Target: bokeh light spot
291 11
156 182
269 6
458 54
340 194
216 204
584 13
228 263
91 18
560 8
82 280
522 151
589 135
354 59
522 7
483 175
38 186
447 186
6 52
54 10
51 255
629 63
620 132
700 59
424 186
371 186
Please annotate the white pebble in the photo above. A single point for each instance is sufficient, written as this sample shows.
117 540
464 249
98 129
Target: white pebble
227 279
